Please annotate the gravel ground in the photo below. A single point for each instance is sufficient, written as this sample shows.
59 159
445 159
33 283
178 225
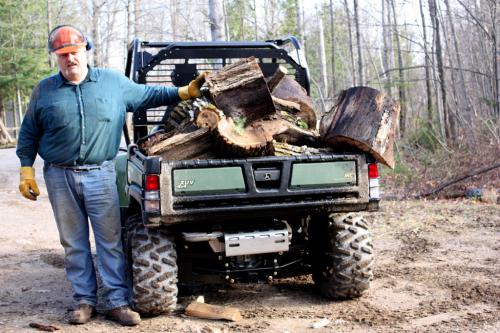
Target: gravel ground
437 270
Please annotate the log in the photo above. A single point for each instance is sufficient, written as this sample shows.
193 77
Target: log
185 146
240 91
468 174
364 118
290 90
45 328
209 311
285 149
285 130
207 117
304 114
153 139
234 139
273 81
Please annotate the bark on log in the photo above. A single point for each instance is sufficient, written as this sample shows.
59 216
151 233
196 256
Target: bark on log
240 91
300 111
185 146
290 90
284 130
280 73
364 118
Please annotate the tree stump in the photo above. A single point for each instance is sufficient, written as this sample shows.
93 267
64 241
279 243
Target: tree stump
364 118
240 91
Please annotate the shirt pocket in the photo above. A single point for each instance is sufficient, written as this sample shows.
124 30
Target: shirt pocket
55 116
103 109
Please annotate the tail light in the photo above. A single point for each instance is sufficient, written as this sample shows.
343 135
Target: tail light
152 193
373 179
152 183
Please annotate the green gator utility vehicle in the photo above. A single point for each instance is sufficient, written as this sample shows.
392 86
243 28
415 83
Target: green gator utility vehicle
242 219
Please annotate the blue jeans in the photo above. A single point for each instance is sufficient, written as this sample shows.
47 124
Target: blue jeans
77 197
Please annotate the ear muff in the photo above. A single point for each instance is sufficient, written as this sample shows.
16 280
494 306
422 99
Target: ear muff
88 42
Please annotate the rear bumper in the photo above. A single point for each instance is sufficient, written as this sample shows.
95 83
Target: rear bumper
243 213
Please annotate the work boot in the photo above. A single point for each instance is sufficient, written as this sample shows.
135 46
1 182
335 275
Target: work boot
124 316
82 314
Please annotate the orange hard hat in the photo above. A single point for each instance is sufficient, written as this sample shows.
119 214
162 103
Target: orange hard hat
66 39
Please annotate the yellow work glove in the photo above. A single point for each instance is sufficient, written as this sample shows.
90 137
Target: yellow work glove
27 185
193 89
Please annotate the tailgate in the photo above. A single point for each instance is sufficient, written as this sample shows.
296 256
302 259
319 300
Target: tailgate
275 186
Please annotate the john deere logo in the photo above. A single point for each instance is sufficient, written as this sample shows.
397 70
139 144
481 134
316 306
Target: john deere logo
185 183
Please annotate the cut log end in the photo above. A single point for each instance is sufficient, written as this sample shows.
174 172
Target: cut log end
242 141
207 117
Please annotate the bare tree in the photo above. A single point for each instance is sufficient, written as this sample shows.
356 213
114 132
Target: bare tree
401 79
216 19
137 18
449 123
322 56
428 89
333 42
385 47
351 53
300 22
358 44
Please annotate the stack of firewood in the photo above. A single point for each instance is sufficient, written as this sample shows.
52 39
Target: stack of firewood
246 114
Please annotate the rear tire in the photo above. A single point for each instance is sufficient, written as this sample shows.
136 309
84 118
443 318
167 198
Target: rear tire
342 255
154 269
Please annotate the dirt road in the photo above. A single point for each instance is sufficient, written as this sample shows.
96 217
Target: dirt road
437 270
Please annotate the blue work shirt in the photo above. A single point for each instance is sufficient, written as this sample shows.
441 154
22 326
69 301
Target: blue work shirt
68 124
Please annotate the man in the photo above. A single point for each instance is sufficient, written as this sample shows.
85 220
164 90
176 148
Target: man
74 122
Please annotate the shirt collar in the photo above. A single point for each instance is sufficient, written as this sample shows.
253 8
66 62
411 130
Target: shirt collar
91 76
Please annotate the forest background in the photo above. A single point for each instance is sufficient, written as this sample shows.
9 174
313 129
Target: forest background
439 59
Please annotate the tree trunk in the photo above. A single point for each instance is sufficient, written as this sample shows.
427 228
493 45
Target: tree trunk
4 134
385 50
462 85
358 44
255 21
173 18
241 92
401 88
49 28
137 18
333 42
300 23
351 53
322 57
448 121
496 61
363 118
216 19
428 89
